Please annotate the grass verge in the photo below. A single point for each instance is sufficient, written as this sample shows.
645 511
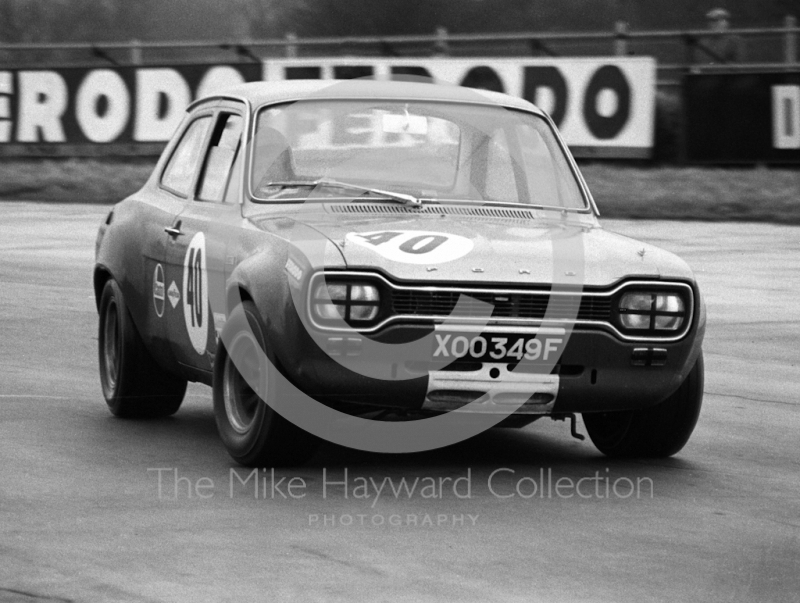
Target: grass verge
72 180
691 193
673 193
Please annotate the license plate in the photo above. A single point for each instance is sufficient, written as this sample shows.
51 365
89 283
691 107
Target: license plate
496 348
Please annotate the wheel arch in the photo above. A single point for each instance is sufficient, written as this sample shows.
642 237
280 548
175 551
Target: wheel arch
264 284
99 279
237 293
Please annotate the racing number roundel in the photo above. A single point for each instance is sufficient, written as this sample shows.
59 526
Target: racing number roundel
195 293
414 246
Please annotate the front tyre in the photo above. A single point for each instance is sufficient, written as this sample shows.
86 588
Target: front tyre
254 434
133 384
660 431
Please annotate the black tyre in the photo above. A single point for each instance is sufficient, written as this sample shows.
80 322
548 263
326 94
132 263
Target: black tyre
134 385
660 431
254 434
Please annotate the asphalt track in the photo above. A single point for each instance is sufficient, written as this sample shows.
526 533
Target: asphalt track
81 518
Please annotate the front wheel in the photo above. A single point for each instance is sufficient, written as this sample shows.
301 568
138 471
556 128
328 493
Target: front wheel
660 431
254 434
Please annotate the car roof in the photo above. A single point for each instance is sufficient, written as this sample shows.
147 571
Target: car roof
264 93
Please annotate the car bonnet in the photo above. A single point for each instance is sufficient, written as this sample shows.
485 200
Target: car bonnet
434 247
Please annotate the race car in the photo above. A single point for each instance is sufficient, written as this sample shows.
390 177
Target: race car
396 251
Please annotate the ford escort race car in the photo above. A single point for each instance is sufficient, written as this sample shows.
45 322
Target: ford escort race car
392 250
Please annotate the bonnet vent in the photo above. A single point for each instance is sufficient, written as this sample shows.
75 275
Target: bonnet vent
438 210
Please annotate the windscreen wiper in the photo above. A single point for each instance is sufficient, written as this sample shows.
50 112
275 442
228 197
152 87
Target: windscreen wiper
399 197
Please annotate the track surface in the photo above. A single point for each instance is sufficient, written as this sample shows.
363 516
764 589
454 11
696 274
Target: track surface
81 518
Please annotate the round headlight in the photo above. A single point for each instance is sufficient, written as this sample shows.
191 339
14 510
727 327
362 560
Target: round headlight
644 310
673 305
635 309
350 302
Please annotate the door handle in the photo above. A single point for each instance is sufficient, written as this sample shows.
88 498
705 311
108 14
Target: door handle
174 231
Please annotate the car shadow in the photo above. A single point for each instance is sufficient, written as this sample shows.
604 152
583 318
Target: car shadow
190 438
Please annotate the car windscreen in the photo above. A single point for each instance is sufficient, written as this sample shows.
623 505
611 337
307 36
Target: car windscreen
437 151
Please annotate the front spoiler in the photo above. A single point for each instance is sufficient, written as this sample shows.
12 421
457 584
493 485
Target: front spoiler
492 389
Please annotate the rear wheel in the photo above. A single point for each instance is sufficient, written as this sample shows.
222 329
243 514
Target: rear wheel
659 431
133 384
254 434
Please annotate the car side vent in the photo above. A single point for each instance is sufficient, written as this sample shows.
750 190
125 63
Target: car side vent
476 212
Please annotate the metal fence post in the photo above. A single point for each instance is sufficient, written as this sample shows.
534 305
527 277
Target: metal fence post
441 46
790 41
291 49
621 41
136 52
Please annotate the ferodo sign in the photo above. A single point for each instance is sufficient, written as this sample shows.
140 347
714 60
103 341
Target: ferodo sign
602 106
113 105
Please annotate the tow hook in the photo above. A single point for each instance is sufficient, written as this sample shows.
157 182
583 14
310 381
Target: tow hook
573 426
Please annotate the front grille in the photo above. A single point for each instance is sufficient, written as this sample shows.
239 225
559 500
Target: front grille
412 302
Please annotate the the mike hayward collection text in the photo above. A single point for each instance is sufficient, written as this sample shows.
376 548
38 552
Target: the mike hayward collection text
501 483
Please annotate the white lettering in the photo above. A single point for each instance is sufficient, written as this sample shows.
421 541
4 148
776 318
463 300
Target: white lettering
161 97
499 347
467 479
477 347
786 117
489 483
460 346
551 345
6 89
102 105
441 341
516 350
533 349
545 99
253 475
326 483
42 101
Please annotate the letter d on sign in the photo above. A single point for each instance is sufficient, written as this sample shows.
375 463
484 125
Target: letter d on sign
161 97
786 117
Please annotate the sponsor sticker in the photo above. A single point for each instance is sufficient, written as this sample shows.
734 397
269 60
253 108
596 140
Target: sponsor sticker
414 246
158 290
173 294
294 270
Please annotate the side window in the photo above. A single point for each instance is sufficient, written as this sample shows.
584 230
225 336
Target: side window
218 180
179 172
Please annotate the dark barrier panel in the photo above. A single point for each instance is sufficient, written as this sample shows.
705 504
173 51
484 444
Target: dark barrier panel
743 118
91 111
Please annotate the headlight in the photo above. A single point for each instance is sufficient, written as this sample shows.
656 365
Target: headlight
345 301
652 311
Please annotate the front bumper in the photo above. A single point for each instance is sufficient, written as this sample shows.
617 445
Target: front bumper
596 372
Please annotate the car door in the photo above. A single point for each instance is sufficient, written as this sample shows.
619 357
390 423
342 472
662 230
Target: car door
196 258
161 208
